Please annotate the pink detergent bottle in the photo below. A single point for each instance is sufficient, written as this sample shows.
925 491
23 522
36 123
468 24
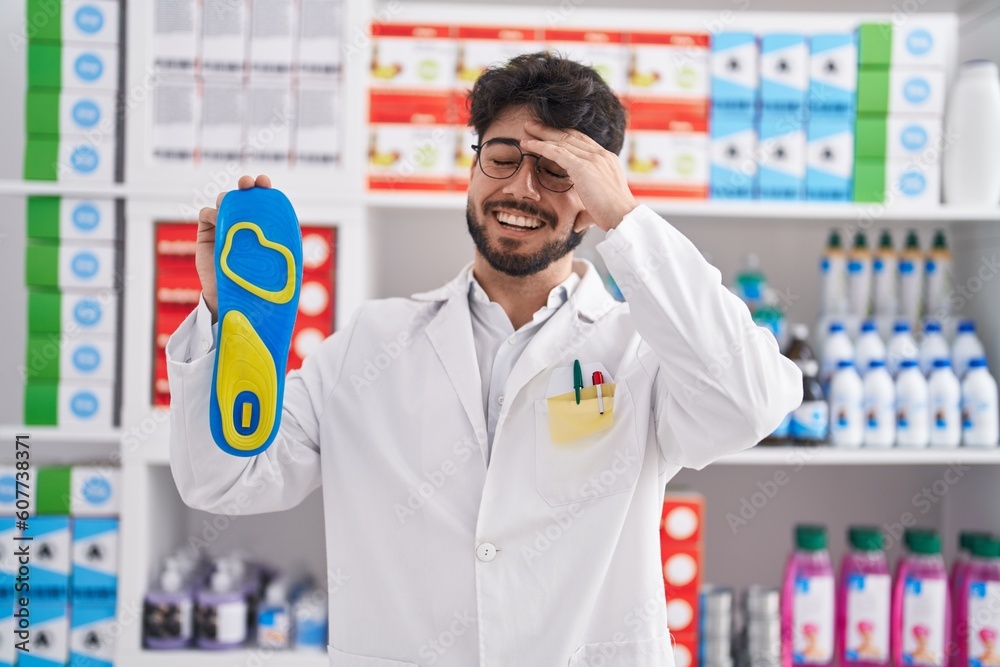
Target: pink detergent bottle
921 605
958 571
807 601
979 606
864 597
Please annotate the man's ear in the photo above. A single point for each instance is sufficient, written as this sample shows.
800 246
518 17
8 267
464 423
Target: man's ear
583 222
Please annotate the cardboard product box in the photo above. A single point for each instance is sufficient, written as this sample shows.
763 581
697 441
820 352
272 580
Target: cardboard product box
84 21
418 56
833 75
782 172
8 650
71 113
784 72
482 46
82 491
9 499
465 157
685 647
829 159
70 159
272 33
51 357
682 569
56 65
320 51
683 517
733 153
668 80
69 404
222 100
9 564
176 244
901 90
70 265
90 313
269 119
682 614
899 182
95 561
735 66
222 35
94 635
916 42
317 134
51 560
49 635
900 136
410 157
71 219
176 118
603 50
667 164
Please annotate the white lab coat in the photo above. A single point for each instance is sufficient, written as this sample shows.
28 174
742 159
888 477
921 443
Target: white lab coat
550 554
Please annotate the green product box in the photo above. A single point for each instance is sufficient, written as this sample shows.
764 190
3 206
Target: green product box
41 265
41 404
41 160
46 19
44 65
869 180
53 489
870 136
875 44
873 91
41 112
43 217
44 311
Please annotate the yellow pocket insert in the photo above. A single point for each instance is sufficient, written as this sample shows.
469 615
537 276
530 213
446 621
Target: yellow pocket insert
569 421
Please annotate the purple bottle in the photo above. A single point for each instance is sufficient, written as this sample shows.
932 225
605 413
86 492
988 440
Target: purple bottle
864 599
978 612
807 602
921 605
958 571
167 614
221 612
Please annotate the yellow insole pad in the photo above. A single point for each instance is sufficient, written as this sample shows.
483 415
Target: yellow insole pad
245 364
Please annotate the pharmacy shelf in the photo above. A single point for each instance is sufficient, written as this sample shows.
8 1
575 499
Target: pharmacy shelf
225 658
53 435
766 455
62 446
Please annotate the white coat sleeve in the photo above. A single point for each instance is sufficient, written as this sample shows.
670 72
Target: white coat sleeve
208 478
720 384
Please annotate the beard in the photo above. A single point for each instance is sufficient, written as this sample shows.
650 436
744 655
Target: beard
503 255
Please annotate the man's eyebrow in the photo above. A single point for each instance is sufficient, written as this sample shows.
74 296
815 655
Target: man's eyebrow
510 141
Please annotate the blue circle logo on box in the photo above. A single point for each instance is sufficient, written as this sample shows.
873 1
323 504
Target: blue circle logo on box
8 489
916 90
86 113
89 67
912 183
89 19
919 42
87 312
83 404
86 358
96 490
86 217
84 159
84 264
913 137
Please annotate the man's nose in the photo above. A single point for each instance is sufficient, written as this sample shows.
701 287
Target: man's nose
524 184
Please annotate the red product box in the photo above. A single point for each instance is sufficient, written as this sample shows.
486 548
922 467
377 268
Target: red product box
682 517
682 569
683 612
685 646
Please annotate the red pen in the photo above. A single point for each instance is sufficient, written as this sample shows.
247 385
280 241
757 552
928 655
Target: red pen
598 381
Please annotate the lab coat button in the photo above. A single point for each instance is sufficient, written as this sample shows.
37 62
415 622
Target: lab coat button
486 552
512 340
500 400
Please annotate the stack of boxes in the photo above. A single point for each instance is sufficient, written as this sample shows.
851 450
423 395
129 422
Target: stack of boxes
72 584
833 82
900 105
73 82
734 115
784 73
682 553
71 272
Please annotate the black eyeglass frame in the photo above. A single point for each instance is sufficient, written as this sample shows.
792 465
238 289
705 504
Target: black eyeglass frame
538 158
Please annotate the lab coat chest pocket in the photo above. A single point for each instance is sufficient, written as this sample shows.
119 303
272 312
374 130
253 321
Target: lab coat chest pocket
599 464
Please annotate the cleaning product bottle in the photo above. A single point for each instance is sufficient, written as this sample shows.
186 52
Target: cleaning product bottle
846 406
956 580
937 269
933 346
837 347
810 421
311 620
911 278
980 414
168 613
864 597
833 271
901 346
921 609
912 406
885 268
870 347
859 277
945 396
978 616
879 406
750 282
966 347
807 609
221 612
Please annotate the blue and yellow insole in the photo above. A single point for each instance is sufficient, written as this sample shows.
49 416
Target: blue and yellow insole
258 268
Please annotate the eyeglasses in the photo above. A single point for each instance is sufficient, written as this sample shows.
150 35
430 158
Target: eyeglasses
501 158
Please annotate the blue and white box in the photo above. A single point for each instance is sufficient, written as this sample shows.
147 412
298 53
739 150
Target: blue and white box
733 153
830 159
735 72
782 171
93 635
914 137
95 491
784 72
912 183
87 220
922 43
85 160
51 559
49 641
833 74
8 496
91 21
914 90
95 561
8 564
8 651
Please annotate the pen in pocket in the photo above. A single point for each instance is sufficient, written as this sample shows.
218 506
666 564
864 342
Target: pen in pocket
598 379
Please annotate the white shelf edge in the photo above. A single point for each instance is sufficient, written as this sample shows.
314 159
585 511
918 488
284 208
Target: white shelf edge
825 455
60 435
199 658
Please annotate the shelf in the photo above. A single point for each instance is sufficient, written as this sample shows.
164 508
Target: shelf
766 455
55 435
251 656
61 446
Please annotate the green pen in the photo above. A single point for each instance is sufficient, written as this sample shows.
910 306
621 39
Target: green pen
577 379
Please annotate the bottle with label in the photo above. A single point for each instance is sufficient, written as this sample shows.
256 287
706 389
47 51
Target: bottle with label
870 347
833 269
956 581
980 413
911 278
938 276
311 620
934 346
921 609
864 597
885 268
978 620
965 347
810 421
846 407
945 394
221 612
168 613
902 346
859 277
808 598
836 348
912 406
880 406
750 282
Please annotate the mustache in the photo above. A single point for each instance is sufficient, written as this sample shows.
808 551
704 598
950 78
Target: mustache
520 207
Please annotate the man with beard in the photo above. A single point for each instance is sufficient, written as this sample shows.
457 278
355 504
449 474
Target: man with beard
483 504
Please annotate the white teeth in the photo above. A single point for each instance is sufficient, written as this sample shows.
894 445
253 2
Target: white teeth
518 221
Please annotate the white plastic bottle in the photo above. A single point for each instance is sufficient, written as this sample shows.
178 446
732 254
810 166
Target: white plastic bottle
833 275
934 346
945 394
859 277
980 415
966 347
846 407
912 406
885 278
836 348
970 174
870 346
911 278
901 346
938 277
879 406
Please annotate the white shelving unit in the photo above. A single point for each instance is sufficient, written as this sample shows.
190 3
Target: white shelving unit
376 234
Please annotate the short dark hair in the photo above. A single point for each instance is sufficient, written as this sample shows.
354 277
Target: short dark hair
561 92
